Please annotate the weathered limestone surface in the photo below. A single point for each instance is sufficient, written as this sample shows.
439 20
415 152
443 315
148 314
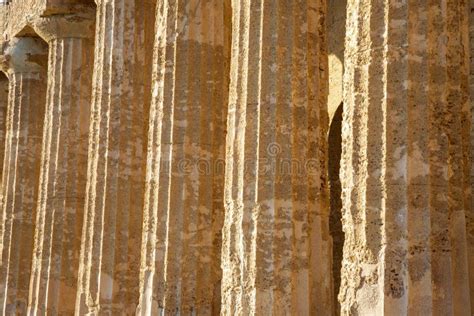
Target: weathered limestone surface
16 14
174 157
4 83
183 211
404 158
276 244
63 163
111 242
24 62
470 212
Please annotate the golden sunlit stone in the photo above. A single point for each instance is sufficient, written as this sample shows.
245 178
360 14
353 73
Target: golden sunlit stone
236 157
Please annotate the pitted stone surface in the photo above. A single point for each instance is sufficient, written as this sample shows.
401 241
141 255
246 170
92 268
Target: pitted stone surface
276 243
61 197
174 157
183 210
406 159
121 92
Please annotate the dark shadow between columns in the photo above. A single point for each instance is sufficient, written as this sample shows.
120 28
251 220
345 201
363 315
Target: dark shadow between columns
335 224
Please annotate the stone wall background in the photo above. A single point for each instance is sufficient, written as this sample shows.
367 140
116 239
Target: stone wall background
15 15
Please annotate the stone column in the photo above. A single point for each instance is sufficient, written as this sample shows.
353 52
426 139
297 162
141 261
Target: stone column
276 244
405 158
111 240
63 163
24 61
183 210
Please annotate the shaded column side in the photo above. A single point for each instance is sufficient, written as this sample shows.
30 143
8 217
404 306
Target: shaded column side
183 210
4 84
24 61
470 215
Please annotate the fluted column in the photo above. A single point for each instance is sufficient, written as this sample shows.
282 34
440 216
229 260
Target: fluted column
276 244
405 158
63 163
24 61
183 212
111 241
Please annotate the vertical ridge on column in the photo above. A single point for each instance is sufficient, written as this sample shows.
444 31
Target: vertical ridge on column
209 271
470 214
232 284
4 84
7 184
466 124
395 183
363 153
456 89
154 227
318 238
276 241
441 274
63 177
110 257
418 120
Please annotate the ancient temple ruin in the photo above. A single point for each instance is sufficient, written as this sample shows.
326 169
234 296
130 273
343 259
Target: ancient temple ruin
236 157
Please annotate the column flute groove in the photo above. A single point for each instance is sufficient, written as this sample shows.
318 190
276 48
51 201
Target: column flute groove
4 88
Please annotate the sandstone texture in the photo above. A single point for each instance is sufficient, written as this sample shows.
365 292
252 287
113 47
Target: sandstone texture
236 157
